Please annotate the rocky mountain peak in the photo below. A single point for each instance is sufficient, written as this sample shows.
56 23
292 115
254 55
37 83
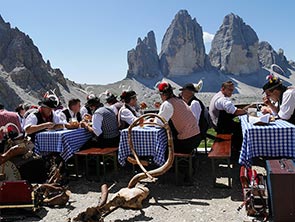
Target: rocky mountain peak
183 50
235 47
268 56
22 62
143 61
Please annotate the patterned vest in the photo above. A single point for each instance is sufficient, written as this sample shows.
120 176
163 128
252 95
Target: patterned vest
183 119
109 124
68 115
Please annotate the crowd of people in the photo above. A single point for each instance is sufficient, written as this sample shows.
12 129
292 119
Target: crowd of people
187 116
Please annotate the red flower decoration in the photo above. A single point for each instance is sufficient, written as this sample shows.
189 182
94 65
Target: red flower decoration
163 86
9 129
123 95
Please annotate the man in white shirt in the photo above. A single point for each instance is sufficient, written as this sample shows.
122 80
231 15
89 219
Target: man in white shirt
43 118
284 96
104 127
222 110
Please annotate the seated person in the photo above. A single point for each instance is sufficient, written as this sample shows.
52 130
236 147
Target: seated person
104 126
5 118
85 110
44 117
185 130
222 112
198 108
21 109
113 103
72 113
128 113
284 96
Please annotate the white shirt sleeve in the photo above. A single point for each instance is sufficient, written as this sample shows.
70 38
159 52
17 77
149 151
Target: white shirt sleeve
287 107
166 111
224 103
97 123
83 111
30 120
196 109
127 116
57 119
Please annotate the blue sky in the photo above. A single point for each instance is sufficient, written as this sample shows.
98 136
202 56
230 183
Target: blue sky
88 40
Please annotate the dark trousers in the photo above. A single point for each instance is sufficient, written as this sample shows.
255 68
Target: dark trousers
187 145
101 142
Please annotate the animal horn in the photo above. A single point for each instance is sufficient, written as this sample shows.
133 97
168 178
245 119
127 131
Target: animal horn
169 162
199 85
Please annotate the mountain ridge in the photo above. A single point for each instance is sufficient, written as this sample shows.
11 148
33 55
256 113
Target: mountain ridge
25 76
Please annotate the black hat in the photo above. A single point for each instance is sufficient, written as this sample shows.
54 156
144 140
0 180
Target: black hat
128 95
93 102
111 98
189 87
165 87
49 102
272 82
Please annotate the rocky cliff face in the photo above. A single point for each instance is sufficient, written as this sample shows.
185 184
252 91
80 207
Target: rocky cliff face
268 56
235 47
143 61
183 50
23 65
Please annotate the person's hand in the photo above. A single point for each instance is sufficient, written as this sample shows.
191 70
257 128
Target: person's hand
87 117
266 101
265 109
84 124
49 125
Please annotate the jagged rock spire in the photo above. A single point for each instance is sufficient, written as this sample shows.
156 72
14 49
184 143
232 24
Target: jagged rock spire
183 50
235 47
143 61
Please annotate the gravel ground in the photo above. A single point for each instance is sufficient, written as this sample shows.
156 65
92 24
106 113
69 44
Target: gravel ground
166 202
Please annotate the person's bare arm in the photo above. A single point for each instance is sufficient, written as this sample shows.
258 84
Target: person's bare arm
36 128
239 112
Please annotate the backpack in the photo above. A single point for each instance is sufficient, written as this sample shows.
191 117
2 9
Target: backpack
205 121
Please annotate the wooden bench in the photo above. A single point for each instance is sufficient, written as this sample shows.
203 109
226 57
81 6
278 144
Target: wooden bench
181 159
109 153
220 150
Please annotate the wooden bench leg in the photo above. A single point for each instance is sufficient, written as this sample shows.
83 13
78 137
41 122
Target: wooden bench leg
87 167
229 172
213 172
176 171
115 163
76 166
190 170
97 159
205 143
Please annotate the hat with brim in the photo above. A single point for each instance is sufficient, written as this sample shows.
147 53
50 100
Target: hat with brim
271 85
130 94
164 87
111 98
93 102
49 102
189 87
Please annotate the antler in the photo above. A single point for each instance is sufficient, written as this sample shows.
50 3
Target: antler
166 166
4 128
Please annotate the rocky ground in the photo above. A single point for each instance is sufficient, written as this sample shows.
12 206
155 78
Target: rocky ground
199 201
